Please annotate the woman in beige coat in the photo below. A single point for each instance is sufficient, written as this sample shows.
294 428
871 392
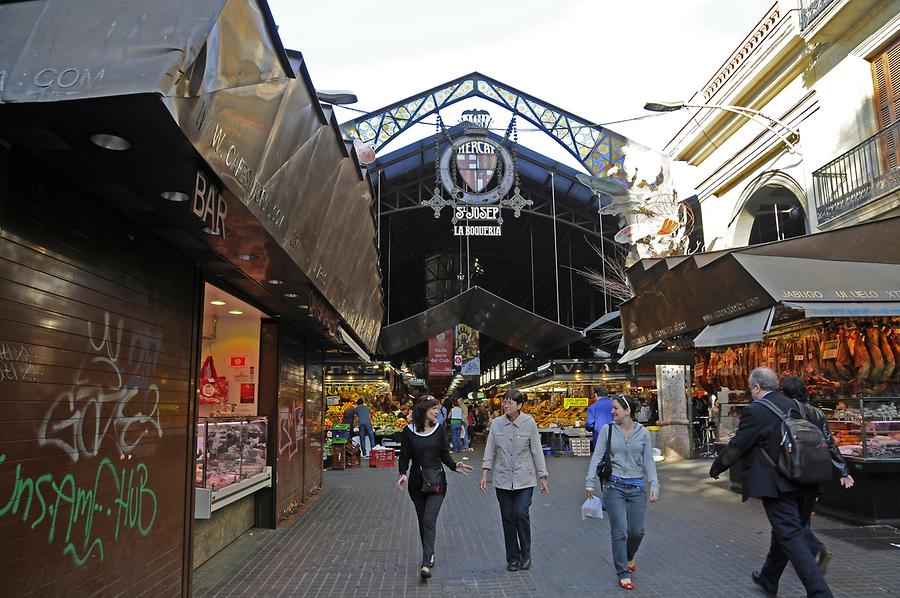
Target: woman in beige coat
514 456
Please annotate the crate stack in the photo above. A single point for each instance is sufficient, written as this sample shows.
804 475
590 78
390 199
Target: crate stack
581 446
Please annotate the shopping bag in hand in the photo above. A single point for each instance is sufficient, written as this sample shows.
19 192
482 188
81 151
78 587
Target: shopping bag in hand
593 508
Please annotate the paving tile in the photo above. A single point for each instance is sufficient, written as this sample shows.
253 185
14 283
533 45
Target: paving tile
360 539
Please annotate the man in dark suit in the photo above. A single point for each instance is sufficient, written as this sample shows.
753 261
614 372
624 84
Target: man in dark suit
788 504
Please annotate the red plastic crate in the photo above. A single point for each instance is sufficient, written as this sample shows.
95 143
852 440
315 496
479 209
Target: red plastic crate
381 458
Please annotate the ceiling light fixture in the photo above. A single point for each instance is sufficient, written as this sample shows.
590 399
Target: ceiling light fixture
110 142
217 302
291 295
302 306
274 281
177 196
235 312
246 257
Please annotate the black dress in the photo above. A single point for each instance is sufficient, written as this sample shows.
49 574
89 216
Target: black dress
425 451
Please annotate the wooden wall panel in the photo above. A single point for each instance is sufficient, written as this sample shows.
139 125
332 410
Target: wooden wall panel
96 324
312 423
290 447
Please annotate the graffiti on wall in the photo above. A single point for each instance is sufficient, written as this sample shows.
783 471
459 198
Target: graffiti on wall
111 405
67 510
81 418
17 363
290 437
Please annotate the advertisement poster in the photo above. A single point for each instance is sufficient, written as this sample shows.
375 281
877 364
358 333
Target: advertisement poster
440 355
466 355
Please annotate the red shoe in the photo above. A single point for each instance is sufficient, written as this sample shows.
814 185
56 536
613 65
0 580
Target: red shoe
626 585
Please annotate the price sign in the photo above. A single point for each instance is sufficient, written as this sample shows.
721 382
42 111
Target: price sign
571 402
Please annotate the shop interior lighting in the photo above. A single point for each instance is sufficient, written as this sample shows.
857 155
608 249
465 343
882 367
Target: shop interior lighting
291 295
274 281
217 302
302 306
246 257
110 142
235 312
177 196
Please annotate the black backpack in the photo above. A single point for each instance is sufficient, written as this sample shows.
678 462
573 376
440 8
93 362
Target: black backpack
803 456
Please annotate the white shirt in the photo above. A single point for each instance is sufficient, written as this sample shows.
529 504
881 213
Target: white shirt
456 413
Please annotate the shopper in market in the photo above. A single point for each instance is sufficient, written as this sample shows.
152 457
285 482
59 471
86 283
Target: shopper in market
624 492
423 454
515 458
464 420
794 388
788 504
599 414
456 426
364 415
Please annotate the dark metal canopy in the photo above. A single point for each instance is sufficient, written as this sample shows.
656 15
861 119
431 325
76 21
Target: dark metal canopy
857 266
491 315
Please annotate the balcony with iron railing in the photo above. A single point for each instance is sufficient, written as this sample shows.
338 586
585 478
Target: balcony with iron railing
860 176
810 9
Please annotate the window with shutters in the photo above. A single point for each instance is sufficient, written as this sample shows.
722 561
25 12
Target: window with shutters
886 74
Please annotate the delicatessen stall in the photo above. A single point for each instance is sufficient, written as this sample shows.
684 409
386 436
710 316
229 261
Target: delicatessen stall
824 307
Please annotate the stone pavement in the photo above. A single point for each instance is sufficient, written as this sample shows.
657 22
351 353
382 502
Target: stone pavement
360 539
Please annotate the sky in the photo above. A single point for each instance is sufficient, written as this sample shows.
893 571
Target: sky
597 59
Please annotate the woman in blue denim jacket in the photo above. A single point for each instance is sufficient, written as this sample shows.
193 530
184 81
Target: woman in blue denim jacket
625 493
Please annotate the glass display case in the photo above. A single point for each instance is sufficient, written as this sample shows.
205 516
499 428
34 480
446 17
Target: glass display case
229 450
867 428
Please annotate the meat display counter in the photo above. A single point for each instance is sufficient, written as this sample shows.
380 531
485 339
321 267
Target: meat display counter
230 461
868 434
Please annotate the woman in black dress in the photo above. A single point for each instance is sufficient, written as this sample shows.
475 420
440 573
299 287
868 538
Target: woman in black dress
424 442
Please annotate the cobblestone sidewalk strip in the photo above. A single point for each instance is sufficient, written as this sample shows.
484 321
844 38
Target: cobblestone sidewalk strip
360 539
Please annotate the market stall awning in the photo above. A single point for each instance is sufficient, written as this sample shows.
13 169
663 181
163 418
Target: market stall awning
836 309
852 265
491 315
636 354
191 118
745 329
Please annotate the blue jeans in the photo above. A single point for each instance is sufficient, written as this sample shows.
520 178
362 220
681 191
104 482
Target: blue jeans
366 431
466 437
625 506
455 439
514 505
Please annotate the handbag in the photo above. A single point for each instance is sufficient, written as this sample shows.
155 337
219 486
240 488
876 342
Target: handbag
434 480
604 468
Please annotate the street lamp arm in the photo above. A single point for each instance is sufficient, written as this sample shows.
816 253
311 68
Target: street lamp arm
765 120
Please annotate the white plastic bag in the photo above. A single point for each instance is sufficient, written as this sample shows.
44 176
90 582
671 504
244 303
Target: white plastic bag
593 508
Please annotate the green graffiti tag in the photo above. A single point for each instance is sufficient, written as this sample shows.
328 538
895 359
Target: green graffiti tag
62 503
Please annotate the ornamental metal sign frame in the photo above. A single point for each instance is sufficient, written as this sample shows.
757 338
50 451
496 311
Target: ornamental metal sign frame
471 139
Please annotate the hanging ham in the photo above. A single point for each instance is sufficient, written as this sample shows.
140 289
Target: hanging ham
873 345
890 362
843 363
861 359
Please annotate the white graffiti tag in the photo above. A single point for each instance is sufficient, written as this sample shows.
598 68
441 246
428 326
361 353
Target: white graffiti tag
79 420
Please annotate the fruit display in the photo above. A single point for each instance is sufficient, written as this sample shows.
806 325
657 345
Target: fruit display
549 414
371 393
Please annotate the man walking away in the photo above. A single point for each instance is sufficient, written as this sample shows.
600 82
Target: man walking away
365 428
788 504
599 414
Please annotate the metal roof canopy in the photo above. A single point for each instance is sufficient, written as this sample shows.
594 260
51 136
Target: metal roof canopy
489 314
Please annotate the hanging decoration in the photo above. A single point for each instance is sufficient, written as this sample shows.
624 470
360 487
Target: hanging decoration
478 173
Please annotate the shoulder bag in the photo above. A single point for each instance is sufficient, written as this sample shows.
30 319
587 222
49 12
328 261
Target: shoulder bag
434 480
604 468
